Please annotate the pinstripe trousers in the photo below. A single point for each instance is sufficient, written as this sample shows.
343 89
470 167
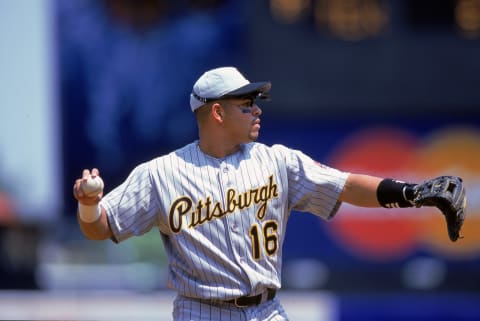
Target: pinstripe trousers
188 309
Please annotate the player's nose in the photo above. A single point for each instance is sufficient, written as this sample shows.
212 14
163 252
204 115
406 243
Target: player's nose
256 110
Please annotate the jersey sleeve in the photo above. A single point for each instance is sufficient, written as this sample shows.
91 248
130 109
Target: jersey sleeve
132 206
313 187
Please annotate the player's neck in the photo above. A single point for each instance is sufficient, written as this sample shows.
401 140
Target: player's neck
218 148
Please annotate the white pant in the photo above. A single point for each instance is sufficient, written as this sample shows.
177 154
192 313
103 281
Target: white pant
187 309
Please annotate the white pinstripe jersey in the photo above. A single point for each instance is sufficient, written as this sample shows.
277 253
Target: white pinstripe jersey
223 221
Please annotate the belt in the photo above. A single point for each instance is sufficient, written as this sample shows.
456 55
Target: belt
247 301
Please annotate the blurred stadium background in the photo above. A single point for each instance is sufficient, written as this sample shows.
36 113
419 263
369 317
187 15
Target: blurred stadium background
387 87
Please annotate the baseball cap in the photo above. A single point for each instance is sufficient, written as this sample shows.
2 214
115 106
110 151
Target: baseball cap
225 82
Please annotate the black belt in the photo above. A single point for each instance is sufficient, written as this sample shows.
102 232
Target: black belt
248 301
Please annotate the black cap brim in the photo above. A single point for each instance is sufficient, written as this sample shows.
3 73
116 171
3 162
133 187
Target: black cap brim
251 88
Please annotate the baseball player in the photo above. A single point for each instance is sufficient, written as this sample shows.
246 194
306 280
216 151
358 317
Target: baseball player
222 203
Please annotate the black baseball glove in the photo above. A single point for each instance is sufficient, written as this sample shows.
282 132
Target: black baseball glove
447 194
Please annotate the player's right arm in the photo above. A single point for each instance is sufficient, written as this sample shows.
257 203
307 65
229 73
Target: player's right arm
92 217
98 230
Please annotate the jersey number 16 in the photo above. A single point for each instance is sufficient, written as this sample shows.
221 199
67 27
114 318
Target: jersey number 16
269 236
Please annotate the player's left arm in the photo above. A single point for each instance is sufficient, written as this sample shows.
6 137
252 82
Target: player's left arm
371 191
361 190
447 193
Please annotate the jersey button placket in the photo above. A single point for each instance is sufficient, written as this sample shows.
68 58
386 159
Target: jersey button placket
231 221
226 182
225 178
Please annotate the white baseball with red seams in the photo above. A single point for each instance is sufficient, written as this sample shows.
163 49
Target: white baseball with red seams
92 186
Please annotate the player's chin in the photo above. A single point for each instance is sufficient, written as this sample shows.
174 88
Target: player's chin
254 136
254 133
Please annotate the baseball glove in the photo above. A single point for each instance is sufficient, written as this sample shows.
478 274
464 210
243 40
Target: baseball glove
447 194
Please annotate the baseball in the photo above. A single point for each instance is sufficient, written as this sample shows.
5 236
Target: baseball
92 186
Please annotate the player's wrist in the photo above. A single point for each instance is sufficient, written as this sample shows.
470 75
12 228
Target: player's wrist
392 193
89 213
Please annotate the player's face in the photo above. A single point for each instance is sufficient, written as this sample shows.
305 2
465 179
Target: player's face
243 120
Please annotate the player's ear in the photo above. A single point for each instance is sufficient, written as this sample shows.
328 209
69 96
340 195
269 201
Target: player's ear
217 112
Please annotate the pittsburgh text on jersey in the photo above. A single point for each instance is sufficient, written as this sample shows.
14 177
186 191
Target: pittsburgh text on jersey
208 210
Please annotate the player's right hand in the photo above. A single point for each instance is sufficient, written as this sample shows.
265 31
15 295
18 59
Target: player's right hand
79 194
